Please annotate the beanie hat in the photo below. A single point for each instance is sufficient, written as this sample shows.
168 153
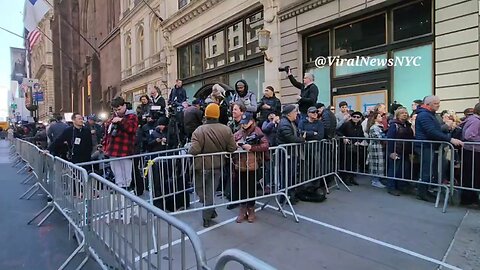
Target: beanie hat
212 111
288 109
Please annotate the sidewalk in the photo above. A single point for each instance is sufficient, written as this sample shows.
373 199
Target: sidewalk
25 246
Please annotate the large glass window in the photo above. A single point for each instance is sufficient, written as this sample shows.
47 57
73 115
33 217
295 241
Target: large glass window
255 77
317 45
412 20
184 61
214 50
360 35
236 51
253 24
197 62
182 3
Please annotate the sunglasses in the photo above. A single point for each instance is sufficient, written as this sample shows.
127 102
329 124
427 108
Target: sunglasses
356 116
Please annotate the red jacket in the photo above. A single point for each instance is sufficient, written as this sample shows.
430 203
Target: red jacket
124 143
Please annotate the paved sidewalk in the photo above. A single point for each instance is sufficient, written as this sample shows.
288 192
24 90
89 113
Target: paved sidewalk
25 246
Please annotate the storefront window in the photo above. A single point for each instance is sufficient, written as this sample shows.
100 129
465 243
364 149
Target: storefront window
236 51
412 20
197 62
184 61
191 89
360 35
317 45
254 77
254 23
214 50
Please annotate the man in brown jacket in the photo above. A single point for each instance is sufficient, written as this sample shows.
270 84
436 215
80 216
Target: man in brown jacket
212 137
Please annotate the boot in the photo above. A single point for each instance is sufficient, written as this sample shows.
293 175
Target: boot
251 214
242 215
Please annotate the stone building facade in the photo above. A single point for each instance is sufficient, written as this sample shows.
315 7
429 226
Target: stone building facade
86 55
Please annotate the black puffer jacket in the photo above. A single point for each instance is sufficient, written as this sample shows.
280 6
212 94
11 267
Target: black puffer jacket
288 132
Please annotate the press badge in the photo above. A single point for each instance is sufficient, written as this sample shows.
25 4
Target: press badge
77 141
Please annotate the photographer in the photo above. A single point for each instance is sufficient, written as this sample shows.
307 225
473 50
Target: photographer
157 140
143 109
157 100
178 95
308 92
147 130
268 104
119 140
251 139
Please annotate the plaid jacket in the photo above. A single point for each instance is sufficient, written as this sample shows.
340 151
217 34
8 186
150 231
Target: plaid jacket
376 156
124 143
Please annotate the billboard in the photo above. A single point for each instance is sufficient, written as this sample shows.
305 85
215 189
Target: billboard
18 60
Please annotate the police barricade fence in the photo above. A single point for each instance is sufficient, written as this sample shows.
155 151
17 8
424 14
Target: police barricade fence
134 166
245 259
187 183
399 163
466 172
311 162
15 152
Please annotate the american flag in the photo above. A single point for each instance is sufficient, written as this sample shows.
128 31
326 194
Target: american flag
32 38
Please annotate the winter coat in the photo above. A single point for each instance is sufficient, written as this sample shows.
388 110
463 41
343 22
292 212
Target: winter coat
270 130
55 130
153 145
471 132
178 95
212 137
310 128
275 107
79 143
376 156
308 94
248 99
329 123
146 130
400 131
427 126
192 118
124 143
262 146
350 129
287 132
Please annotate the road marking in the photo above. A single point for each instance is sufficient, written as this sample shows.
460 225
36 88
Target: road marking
453 240
375 241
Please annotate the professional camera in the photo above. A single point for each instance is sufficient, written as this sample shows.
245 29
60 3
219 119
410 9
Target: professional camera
284 69
253 139
172 111
114 131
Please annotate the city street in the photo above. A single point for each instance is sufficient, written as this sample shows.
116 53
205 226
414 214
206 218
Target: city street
363 229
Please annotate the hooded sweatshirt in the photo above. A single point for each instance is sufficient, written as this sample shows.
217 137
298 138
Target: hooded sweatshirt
248 99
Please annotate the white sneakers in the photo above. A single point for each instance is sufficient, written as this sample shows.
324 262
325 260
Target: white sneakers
378 184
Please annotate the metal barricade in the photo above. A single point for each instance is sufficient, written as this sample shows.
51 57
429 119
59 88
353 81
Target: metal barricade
398 160
137 165
187 183
312 161
245 259
466 172
130 243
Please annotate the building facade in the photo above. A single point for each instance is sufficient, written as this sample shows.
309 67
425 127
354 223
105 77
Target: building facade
86 55
42 69
441 37
143 64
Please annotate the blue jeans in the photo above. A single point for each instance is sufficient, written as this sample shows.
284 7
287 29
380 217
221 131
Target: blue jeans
399 168
428 166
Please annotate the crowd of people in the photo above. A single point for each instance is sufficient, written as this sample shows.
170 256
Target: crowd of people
223 122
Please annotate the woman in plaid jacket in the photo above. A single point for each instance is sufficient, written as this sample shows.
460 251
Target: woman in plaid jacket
376 154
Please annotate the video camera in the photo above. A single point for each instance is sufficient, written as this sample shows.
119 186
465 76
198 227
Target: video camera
253 139
285 69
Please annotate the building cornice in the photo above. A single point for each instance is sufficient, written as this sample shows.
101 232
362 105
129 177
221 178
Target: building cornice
297 9
115 32
189 12
143 73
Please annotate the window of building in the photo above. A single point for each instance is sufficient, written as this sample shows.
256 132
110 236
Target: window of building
141 46
317 45
155 36
197 62
360 35
236 46
182 3
253 24
184 61
412 20
214 50
128 52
